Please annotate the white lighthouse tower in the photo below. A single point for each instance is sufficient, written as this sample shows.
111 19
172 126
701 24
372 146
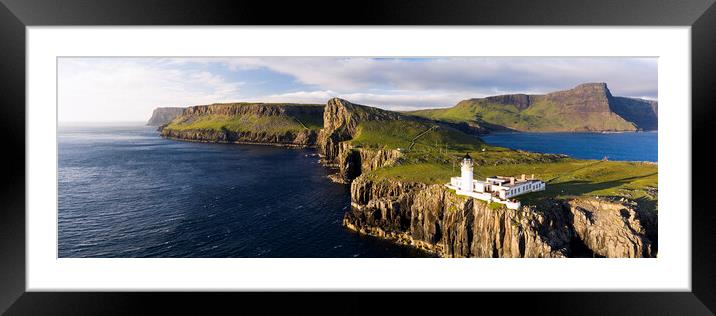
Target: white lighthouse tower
466 174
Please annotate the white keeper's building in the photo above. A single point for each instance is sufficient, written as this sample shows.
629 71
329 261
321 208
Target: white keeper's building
494 189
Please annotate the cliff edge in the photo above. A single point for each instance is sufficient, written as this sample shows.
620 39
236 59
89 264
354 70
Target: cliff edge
435 219
164 115
282 124
341 121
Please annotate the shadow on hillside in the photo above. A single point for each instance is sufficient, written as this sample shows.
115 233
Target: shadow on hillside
577 187
580 187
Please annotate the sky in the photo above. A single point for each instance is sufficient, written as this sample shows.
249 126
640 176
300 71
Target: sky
128 89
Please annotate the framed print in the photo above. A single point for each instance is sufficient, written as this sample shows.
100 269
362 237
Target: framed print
409 147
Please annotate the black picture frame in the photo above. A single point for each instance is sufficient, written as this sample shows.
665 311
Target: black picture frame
15 15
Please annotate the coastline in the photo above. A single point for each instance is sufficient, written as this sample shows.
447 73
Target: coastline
286 145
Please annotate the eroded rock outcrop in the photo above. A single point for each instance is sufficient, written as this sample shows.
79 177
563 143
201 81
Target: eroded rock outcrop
611 229
164 115
433 218
340 123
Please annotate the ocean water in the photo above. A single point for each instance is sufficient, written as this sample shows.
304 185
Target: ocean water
639 146
126 192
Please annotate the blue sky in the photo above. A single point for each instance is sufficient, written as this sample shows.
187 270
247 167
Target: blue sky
128 89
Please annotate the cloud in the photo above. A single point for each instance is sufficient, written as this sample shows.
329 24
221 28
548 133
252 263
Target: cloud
129 89
394 100
479 75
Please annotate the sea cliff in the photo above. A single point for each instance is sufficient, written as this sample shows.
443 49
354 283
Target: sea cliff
164 115
294 125
588 107
341 119
433 218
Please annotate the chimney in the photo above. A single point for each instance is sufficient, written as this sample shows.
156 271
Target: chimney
523 177
512 180
533 176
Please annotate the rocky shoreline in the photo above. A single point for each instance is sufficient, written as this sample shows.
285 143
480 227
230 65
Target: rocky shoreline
301 139
285 145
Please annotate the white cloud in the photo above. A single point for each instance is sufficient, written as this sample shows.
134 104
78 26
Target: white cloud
129 89
491 75
394 100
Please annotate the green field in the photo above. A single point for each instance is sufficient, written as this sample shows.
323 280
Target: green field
567 177
423 136
273 124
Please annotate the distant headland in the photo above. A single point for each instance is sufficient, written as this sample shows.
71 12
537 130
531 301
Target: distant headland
588 107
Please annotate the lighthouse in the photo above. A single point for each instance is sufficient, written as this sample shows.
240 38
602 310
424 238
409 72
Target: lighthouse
498 189
466 174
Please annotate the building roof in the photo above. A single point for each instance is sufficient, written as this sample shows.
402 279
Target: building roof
467 156
505 181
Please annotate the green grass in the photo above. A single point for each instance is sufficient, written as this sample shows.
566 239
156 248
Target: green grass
394 134
272 124
269 124
564 177
495 205
541 116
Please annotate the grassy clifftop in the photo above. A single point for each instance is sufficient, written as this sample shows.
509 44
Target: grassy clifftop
247 117
284 124
565 177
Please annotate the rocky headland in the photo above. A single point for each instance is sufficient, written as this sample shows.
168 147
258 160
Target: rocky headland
588 107
433 218
360 141
294 125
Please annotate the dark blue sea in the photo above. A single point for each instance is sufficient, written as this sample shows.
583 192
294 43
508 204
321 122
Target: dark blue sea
632 146
126 192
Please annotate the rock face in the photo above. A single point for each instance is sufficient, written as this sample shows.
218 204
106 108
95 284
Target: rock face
644 113
596 99
584 98
164 115
435 219
256 123
302 138
258 109
521 101
352 162
340 122
611 229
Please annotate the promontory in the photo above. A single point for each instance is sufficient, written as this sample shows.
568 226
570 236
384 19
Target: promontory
397 165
